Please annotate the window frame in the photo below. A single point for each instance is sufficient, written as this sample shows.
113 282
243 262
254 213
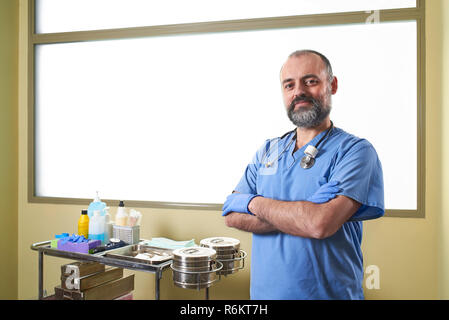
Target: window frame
406 14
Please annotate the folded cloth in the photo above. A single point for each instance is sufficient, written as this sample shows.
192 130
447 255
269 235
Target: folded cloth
166 243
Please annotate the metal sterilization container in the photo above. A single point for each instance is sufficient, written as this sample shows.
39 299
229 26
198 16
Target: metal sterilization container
228 253
195 267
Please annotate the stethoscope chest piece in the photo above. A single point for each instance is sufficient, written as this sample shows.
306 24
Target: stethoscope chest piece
308 160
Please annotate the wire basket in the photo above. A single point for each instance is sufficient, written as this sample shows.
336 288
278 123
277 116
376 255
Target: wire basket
130 235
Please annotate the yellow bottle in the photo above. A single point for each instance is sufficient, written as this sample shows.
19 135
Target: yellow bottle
83 224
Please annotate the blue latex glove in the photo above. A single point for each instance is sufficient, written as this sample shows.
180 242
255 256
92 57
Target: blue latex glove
326 192
238 202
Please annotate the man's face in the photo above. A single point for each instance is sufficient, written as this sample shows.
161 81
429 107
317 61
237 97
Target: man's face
306 90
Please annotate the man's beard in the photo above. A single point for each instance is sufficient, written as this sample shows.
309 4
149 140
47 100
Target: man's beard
308 117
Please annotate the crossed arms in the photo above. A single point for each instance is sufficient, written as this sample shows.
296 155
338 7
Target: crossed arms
299 218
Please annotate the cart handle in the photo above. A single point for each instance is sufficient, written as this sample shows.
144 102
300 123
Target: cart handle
35 246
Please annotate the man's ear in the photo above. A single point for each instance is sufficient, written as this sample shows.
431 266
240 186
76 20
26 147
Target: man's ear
334 85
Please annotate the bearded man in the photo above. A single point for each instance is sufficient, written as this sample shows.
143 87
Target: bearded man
305 194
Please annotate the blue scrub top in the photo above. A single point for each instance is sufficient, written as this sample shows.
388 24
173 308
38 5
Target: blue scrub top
292 267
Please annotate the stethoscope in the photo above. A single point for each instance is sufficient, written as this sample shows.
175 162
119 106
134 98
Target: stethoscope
308 160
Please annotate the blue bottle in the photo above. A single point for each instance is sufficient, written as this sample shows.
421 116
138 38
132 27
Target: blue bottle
96 204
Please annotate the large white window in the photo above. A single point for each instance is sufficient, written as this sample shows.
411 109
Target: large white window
176 118
77 15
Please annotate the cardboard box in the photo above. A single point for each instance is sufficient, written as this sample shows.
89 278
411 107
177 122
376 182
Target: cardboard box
106 291
83 283
81 269
128 296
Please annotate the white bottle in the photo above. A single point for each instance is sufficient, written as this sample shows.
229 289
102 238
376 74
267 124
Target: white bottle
107 225
121 218
96 227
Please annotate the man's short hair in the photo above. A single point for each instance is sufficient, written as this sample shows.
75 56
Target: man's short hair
326 61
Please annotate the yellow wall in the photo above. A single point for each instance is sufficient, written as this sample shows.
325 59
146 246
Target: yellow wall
411 253
9 26
441 83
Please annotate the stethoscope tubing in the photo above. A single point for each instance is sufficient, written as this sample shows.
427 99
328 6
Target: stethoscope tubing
307 161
